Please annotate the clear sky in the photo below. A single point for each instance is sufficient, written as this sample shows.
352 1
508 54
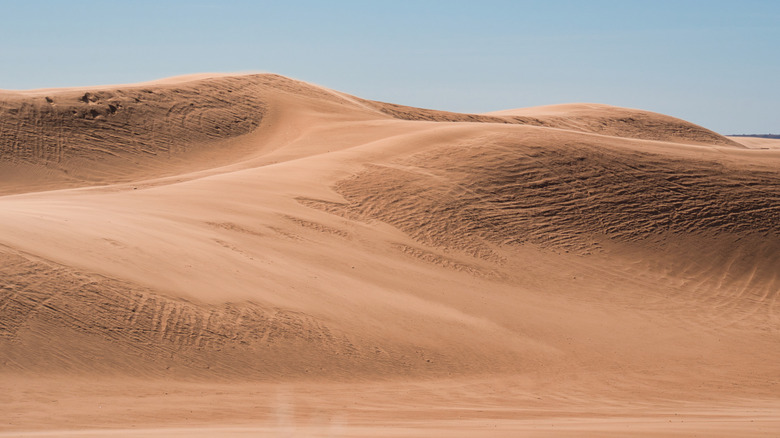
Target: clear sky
715 63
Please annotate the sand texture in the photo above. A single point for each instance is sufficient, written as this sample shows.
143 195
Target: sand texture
252 255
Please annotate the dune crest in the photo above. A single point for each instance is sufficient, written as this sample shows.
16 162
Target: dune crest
618 122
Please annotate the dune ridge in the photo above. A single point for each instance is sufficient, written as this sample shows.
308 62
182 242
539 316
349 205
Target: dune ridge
101 135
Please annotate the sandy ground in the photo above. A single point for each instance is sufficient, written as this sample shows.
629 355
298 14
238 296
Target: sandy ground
461 407
252 255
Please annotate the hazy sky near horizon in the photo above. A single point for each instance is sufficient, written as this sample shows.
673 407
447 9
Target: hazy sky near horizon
715 63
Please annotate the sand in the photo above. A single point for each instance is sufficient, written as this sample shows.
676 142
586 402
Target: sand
251 255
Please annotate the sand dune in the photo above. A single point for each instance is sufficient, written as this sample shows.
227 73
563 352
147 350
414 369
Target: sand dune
758 142
258 255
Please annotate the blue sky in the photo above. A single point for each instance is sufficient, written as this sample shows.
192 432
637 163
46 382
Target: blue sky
715 63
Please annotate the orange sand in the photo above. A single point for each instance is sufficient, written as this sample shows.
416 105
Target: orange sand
253 255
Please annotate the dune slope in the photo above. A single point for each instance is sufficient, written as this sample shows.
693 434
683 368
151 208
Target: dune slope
246 232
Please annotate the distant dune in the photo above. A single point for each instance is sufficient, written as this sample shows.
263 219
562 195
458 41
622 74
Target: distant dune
774 136
758 142
255 254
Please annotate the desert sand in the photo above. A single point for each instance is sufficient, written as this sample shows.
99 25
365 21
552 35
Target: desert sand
251 255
